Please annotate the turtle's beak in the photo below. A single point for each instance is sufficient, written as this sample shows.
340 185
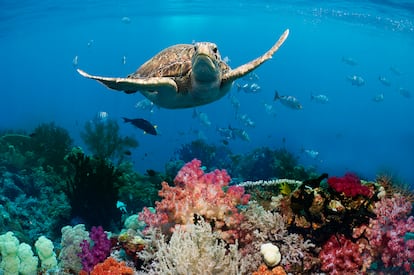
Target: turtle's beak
205 66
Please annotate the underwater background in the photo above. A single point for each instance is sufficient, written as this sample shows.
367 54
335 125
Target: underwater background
39 42
67 157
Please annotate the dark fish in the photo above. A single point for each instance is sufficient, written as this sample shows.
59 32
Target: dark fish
142 124
127 153
225 142
151 173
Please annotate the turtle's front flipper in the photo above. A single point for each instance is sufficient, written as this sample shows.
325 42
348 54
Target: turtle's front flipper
248 67
132 85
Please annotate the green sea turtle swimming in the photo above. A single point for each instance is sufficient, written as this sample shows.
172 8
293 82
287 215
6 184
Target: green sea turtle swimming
185 75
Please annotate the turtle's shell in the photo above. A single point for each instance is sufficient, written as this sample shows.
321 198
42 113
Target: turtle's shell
174 61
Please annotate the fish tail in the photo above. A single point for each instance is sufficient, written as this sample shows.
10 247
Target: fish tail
276 97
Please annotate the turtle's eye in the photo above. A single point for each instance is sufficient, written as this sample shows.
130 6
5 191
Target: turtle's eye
215 50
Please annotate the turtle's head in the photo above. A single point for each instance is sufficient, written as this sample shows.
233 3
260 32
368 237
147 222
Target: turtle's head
206 62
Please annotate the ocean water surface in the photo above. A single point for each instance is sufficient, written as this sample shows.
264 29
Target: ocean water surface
365 129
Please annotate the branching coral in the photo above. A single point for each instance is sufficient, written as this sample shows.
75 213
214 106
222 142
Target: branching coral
195 250
102 138
196 193
262 226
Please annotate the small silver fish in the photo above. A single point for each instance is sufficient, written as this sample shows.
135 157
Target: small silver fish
145 104
396 70
246 121
202 117
356 80
378 97
404 92
270 110
90 43
288 100
349 61
75 61
384 80
320 98
101 116
248 88
126 20
311 153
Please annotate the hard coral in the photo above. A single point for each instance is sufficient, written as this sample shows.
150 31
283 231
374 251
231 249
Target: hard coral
196 193
349 185
111 267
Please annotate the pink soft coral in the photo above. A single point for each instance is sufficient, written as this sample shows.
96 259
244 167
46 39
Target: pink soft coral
387 232
349 185
198 193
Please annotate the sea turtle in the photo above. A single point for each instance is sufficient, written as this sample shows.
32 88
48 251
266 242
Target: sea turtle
185 75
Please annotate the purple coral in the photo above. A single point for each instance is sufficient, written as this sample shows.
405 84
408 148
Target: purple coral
96 253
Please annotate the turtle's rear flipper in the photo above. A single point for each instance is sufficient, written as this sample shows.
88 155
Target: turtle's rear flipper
132 85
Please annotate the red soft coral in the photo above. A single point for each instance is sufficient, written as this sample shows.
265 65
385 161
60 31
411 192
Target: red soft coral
198 193
111 267
339 255
349 185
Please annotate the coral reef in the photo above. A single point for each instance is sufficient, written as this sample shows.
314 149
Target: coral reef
111 266
31 204
387 233
193 250
93 189
264 270
349 185
138 190
51 143
96 250
263 226
212 156
46 146
265 163
70 244
198 194
340 255
103 140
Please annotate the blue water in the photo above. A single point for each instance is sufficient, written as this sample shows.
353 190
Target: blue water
39 83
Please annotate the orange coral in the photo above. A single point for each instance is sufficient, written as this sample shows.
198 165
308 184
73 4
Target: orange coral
112 267
263 270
